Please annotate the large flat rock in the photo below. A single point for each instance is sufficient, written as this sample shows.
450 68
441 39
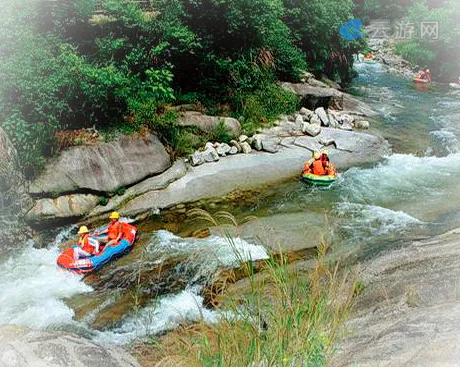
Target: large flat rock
208 123
104 167
24 347
409 312
255 170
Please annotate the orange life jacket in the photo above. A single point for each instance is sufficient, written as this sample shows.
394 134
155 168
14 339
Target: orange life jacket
129 232
114 230
88 244
318 168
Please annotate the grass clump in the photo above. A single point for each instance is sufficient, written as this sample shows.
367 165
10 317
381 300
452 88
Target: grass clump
282 317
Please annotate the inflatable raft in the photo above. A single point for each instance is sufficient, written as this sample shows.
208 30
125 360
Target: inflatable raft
420 81
369 61
323 180
86 265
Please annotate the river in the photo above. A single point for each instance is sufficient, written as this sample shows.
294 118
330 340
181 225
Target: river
410 195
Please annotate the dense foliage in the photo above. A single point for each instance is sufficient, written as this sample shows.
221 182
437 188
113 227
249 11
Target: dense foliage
78 63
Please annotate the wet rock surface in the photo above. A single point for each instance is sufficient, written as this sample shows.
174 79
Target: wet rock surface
409 312
24 347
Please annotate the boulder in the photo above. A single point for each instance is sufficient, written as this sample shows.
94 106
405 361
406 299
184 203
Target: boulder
56 211
257 143
311 129
24 347
313 97
271 145
315 120
236 144
210 155
306 113
299 120
246 147
346 126
223 149
333 123
321 113
242 138
233 150
361 124
290 127
208 123
196 159
104 167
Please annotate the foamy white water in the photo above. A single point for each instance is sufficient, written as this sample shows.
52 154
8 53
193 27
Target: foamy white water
32 287
206 257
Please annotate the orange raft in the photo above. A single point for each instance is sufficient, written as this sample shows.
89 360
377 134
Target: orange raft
86 265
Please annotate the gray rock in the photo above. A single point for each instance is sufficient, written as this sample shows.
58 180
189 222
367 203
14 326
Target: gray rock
196 159
223 149
290 127
104 167
361 124
60 210
257 143
321 113
209 145
21 346
315 120
326 141
313 97
346 126
306 113
246 147
233 150
210 155
311 129
271 145
208 123
333 123
236 144
299 120
242 138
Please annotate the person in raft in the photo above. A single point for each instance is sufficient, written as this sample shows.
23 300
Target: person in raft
327 164
319 165
114 231
87 246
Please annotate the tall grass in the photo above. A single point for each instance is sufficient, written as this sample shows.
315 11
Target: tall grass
288 317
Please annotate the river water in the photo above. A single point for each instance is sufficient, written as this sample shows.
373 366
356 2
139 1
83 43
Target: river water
411 194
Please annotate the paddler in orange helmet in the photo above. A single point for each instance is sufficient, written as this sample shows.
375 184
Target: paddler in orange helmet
114 230
87 246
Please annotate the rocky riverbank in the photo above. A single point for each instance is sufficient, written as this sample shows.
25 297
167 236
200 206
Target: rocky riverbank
136 176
